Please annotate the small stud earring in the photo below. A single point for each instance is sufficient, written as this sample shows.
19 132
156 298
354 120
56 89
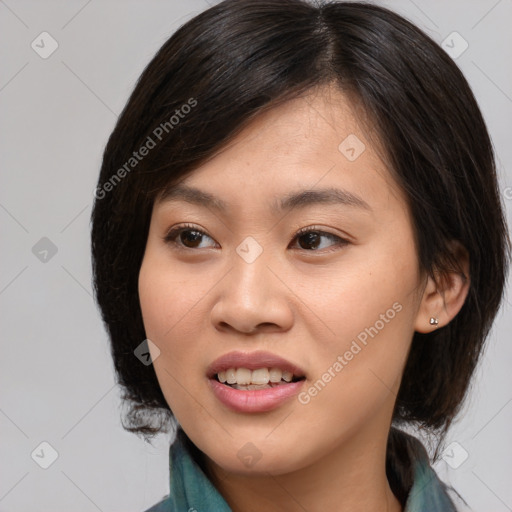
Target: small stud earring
434 321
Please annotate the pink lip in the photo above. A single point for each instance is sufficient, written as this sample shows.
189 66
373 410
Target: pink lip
252 361
257 400
260 400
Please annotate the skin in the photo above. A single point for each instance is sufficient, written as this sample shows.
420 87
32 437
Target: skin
301 301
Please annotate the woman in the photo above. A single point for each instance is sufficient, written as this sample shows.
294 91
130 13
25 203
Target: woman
297 222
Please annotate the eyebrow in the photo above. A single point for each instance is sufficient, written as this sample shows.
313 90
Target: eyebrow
292 201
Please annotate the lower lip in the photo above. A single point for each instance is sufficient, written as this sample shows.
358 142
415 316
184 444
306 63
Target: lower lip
255 400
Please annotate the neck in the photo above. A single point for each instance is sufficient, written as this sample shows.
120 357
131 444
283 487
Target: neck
350 477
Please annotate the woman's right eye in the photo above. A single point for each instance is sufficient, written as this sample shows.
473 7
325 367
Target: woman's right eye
186 237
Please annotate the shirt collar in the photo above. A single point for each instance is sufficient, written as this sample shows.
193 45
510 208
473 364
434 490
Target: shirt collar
428 493
190 488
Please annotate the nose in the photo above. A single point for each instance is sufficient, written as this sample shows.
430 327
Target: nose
253 298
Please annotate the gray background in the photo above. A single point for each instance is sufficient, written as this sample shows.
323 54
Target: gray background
56 375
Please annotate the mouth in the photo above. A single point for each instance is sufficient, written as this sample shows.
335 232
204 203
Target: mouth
254 382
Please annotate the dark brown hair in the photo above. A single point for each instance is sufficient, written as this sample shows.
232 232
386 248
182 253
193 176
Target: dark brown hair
241 57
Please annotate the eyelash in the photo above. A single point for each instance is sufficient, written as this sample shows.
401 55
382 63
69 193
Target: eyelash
173 234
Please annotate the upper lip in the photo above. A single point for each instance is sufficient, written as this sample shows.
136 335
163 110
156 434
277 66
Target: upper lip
252 361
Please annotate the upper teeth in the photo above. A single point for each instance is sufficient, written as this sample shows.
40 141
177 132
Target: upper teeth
245 376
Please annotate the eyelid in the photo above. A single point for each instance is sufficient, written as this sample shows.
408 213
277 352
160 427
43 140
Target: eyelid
322 230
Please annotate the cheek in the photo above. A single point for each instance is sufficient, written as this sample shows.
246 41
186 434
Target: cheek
370 291
369 311
168 296
170 300
355 376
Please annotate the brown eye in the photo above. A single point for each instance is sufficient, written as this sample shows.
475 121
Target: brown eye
311 240
190 238
186 237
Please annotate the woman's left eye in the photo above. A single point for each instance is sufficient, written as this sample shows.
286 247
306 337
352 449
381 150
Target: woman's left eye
309 239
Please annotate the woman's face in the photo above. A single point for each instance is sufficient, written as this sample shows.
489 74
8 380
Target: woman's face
243 289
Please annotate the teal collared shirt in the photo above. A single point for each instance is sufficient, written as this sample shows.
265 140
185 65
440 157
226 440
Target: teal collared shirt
192 491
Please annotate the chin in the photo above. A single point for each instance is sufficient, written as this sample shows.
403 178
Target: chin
258 458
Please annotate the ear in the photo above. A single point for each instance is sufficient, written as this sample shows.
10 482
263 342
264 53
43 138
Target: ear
444 296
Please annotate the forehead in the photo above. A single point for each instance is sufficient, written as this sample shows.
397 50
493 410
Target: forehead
312 149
